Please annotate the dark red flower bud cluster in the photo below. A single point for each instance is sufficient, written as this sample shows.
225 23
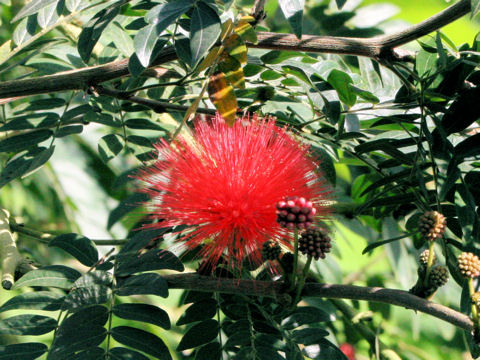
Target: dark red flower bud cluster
315 243
295 212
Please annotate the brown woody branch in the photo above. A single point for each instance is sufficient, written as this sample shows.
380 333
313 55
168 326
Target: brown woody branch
379 48
402 298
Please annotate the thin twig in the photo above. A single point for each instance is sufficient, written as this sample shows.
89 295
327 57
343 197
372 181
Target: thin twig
46 237
155 105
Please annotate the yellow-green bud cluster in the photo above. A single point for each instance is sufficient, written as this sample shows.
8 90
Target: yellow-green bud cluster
469 264
432 225
476 298
423 258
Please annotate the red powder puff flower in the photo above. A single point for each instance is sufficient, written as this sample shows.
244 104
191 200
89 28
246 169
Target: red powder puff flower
348 350
225 184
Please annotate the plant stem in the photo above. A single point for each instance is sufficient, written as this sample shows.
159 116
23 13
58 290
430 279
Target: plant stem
471 289
295 259
220 340
110 316
431 256
301 281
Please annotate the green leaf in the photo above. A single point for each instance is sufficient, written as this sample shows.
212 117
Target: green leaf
84 296
166 14
119 353
365 95
48 15
68 130
144 43
28 324
324 350
341 83
182 48
204 31
5 50
465 209
326 164
340 3
270 75
239 338
38 300
90 289
25 141
25 351
101 118
194 296
143 312
278 56
293 11
268 353
57 276
96 277
141 340
95 353
82 330
91 32
308 336
199 334
123 42
44 104
159 18
202 310
110 146
125 206
475 5
143 284
426 63
25 165
468 147
305 315
142 124
463 112
141 239
32 8
140 141
211 351
75 5
376 244
151 260
81 248
24 30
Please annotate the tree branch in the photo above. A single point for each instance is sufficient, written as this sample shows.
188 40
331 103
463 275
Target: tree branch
193 281
78 79
425 27
380 47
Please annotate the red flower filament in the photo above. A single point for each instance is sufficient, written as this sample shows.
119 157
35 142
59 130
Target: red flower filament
225 184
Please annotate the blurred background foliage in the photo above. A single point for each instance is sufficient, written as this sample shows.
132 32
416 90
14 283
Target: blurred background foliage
80 190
